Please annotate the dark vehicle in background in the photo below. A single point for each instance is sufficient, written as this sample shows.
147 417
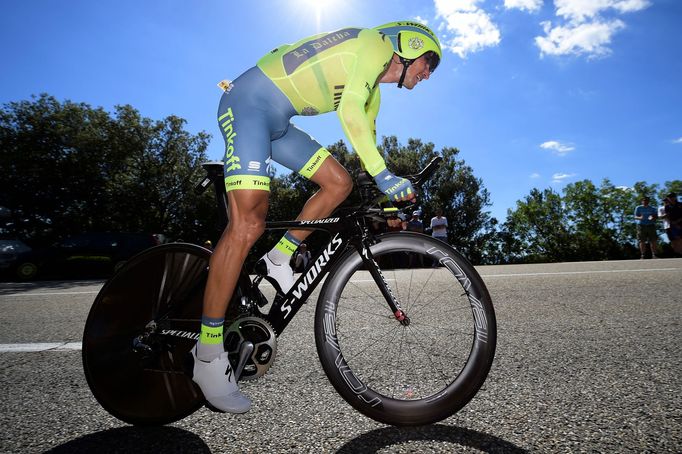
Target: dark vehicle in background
10 253
79 256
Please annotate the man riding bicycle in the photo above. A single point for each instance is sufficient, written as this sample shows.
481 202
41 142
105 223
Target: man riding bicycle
338 71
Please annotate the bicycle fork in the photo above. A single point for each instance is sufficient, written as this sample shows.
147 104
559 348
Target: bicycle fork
380 280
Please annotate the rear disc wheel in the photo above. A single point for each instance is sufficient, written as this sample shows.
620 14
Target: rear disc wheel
139 330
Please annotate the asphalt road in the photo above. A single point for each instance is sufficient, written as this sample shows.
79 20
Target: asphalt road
589 358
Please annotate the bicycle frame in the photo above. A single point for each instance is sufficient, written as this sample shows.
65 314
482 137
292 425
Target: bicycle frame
344 236
345 232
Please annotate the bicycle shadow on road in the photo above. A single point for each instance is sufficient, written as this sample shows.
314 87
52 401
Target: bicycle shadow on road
379 439
135 439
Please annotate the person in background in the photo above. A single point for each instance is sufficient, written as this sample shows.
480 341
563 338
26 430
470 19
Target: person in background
645 217
415 224
302 258
439 226
672 218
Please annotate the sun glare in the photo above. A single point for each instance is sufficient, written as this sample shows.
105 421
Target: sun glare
322 11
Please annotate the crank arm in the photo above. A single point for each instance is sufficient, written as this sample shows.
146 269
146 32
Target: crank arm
245 350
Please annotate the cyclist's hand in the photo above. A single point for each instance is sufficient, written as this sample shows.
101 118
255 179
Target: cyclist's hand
397 189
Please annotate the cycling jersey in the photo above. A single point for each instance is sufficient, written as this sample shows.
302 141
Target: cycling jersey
335 71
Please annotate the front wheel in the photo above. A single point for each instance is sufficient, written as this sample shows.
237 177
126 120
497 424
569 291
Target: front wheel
415 373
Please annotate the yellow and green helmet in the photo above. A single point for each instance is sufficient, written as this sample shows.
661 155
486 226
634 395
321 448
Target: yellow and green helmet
411 40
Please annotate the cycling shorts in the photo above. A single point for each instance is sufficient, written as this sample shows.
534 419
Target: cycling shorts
254 120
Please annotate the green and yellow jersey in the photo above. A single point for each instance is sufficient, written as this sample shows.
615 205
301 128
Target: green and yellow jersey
336 71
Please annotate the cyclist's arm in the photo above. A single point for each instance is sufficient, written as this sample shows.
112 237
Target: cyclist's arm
372 109
355 120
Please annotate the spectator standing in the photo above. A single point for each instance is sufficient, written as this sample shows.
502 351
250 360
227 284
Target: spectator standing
415 224
645 217
302 258
672 218
439 226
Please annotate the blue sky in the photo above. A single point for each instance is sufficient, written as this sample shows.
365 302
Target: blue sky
534 93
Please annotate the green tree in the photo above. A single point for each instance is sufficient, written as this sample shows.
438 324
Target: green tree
619 205
73 168
670 186
538 229
591 217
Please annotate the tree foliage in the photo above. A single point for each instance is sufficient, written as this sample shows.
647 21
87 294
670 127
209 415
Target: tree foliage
588 222
70 168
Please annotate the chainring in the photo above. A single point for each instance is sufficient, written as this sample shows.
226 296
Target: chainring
261 333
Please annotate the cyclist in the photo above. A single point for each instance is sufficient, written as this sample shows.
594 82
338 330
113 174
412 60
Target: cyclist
338 71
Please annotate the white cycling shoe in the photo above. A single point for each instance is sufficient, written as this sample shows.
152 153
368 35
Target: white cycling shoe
283 273
217 381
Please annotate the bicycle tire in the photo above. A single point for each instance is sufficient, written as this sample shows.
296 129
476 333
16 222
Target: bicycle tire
449 343
164 284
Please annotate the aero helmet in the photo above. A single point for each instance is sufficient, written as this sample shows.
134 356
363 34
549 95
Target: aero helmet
410 41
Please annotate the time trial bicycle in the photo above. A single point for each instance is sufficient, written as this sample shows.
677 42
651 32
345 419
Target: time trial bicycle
404 342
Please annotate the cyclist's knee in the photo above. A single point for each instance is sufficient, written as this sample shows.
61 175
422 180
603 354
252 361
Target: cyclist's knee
246 229
339 185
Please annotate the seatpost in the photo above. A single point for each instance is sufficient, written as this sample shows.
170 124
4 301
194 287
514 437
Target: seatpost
214 172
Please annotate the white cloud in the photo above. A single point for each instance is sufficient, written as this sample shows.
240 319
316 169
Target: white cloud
579 11
581 27
586 30
528 5
589 38
535 175
557 148
678 140
560 177
421 20
471 27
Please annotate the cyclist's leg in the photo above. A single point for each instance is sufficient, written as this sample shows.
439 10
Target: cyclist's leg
248 209
300 152
248 127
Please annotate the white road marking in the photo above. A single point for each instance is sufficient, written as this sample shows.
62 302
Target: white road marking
40 347
578 272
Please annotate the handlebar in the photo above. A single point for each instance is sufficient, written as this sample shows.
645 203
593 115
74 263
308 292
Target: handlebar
428 171
370 193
